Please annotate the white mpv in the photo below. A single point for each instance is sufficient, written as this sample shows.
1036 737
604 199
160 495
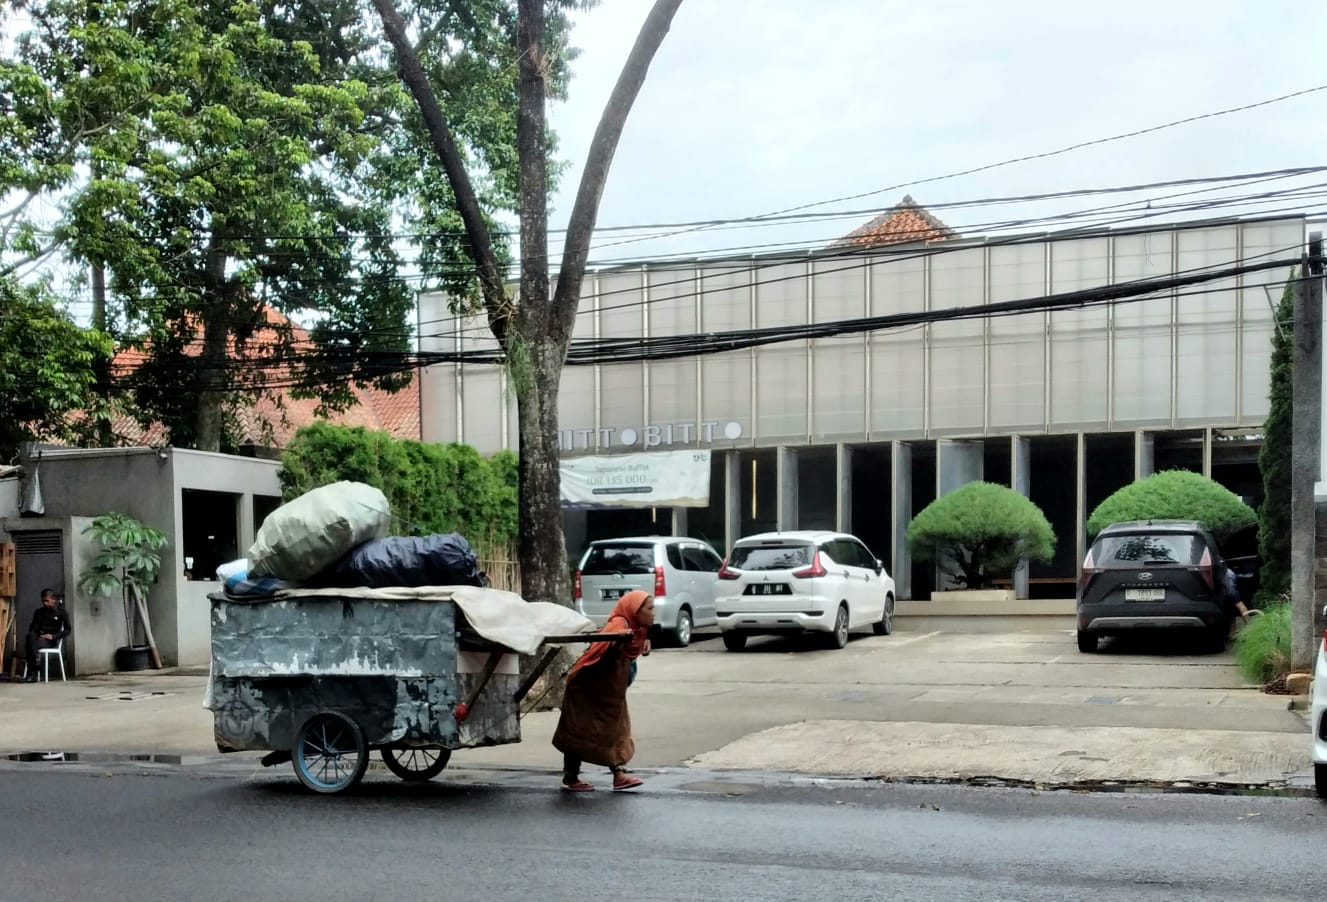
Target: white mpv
790 582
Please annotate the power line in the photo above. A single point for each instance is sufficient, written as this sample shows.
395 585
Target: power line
1023 159
623 350
894 255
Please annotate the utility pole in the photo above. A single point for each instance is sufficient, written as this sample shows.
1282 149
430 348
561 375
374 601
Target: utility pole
1305 472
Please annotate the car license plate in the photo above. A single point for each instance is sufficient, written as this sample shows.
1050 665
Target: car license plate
611 594
1145 594
769 589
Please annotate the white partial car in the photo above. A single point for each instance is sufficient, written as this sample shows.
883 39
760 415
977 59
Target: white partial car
1320 719
678 571
792 582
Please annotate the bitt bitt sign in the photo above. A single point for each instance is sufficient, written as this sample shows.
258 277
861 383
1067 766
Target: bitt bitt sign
648 436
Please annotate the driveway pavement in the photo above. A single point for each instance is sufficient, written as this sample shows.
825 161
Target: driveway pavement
935 700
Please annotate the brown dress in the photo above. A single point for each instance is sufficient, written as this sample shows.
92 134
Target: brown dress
595 726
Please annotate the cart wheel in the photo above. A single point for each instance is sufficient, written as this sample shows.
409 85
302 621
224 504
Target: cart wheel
330 754
416 765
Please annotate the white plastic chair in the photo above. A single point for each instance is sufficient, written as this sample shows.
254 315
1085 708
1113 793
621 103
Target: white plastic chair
44 655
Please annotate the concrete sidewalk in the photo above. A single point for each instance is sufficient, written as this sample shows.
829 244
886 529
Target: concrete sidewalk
939 704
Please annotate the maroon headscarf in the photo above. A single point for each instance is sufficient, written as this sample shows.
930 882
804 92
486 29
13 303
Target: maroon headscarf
622 620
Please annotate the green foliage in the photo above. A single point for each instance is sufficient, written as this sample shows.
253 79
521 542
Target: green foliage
220 158
128 561
979 532
1175 495
1274 458
1262 646
48 367
432 488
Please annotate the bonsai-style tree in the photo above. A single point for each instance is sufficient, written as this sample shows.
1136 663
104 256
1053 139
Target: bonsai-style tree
127 561
1175 495
979 532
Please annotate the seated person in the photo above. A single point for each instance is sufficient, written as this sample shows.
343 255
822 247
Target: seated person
49 625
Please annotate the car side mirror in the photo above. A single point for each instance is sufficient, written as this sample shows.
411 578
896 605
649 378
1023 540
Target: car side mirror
879 566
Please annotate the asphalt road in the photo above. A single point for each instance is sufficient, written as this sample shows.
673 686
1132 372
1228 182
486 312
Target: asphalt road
83 834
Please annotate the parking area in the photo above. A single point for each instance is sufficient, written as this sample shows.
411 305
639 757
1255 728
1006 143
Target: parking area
946 696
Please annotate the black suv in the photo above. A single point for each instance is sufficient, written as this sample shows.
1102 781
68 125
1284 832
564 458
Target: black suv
1153 574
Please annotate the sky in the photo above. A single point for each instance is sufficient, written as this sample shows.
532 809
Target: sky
753 106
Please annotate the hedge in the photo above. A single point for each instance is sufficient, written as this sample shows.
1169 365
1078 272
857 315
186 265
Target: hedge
1175 495
433 488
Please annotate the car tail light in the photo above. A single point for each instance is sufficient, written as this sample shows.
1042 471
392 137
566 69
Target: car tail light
816 569
1205 569
725 573
578 585
1089 571
660 589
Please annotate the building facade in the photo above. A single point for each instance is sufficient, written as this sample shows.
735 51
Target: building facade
859 431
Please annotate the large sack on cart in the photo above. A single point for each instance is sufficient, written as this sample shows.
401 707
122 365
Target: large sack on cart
306 536
411 561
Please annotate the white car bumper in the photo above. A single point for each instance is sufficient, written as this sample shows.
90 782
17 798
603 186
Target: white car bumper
786 615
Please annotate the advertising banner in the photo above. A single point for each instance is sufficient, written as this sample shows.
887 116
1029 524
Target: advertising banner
655 479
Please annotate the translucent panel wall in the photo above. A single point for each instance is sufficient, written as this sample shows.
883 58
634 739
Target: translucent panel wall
1182 358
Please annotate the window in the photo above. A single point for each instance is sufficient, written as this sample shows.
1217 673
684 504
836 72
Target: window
701 559
863 554
770 557
263 505
1148 549
618 557
674 557
211 522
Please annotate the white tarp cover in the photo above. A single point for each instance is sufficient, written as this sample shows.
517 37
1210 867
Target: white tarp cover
502 617
649 479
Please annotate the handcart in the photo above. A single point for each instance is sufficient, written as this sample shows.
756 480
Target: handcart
321 678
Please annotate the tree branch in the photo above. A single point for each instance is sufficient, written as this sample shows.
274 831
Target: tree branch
440 136
580 229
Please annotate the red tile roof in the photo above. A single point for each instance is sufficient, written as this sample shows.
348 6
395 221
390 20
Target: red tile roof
904 223
273 420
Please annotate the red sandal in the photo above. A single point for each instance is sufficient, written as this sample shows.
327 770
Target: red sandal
578 786
622 782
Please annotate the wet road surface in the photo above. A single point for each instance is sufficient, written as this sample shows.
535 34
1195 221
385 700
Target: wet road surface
81 833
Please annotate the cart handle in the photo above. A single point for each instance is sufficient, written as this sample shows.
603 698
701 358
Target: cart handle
462 711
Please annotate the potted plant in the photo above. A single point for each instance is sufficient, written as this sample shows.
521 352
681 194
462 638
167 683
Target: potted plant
128 560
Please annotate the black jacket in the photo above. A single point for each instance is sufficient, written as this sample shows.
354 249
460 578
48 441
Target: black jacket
50 620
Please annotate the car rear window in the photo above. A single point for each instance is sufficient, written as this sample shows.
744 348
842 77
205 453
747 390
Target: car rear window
619 558
781 556
1148 549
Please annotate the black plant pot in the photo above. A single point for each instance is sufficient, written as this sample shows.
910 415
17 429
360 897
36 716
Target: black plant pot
132 657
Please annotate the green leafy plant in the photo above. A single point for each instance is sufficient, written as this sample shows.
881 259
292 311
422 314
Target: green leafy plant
979 532
1262 647
1175 495
128 561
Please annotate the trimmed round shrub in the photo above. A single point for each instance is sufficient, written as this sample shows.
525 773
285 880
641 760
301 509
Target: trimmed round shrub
1175 495
979 532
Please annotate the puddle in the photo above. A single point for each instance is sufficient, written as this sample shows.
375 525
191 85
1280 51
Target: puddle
95 758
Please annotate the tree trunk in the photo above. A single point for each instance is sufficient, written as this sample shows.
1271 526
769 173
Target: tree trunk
105 437
209 423
543 548
536 348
